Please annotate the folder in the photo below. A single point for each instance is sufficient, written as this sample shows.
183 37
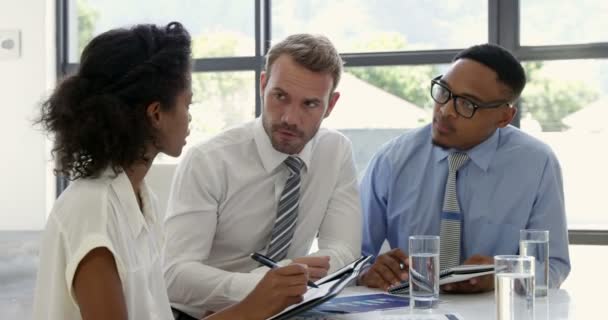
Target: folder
455 274
329 287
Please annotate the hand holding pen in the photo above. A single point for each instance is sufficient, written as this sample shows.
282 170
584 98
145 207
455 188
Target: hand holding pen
278 289
273 265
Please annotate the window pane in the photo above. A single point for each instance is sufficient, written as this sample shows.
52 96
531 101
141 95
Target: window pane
379 103
221 27
565 104
385 25
220 100
580 21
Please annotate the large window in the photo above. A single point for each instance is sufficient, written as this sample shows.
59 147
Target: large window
380 103
580 21
220 100
385 25
565 104
219 28
392 49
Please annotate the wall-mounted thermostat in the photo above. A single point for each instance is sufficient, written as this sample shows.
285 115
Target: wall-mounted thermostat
10 44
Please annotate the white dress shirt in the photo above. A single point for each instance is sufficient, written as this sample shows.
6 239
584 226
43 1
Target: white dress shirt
103 213
223 205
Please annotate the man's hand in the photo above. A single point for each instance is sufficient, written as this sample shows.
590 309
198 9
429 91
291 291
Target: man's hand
389 269
474 285
318 266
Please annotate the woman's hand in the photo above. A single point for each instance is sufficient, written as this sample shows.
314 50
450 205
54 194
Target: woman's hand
280 288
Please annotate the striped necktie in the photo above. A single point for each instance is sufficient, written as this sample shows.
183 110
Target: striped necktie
287 212
451 218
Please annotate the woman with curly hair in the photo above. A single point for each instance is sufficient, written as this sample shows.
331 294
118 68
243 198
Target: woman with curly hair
102 250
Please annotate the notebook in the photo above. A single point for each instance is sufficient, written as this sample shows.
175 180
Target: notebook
363 303
329 287
455 274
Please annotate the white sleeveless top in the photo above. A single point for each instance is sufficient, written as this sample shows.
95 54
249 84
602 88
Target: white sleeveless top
103 212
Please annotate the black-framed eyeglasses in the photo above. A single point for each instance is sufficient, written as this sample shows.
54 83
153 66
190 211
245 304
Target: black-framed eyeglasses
463 106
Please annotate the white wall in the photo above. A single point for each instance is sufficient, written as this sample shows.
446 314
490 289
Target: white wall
24 82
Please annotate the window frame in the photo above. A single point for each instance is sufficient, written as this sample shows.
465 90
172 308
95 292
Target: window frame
503 29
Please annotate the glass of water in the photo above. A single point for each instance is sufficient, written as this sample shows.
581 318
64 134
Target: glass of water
514 287
424 271
535 243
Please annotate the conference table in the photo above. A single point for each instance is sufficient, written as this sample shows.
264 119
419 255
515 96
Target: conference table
559 304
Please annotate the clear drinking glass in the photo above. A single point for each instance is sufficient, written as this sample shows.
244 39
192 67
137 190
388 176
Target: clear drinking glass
514 287
424 271
535 243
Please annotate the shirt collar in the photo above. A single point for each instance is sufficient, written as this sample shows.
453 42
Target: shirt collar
482 154
126 196
271 158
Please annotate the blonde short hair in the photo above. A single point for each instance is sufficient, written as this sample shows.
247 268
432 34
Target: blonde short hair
313 52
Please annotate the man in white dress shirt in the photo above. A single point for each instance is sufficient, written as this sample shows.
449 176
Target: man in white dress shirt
226 194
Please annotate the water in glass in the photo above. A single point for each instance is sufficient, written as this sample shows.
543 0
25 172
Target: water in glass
424 287
540 251
514 296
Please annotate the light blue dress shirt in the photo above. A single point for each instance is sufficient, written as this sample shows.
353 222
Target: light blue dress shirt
511 182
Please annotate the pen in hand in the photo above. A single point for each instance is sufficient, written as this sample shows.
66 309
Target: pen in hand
272 264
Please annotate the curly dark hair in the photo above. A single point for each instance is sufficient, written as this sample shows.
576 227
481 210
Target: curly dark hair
98 115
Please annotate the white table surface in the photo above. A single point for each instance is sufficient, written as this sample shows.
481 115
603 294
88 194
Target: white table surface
559 304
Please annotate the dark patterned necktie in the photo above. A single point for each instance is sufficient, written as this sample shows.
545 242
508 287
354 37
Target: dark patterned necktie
287 212
451 218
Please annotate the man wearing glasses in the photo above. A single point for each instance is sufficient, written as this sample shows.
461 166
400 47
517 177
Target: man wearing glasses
469 177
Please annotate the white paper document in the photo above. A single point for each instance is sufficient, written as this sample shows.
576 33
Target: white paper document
314 293
412 317
329 287
379 316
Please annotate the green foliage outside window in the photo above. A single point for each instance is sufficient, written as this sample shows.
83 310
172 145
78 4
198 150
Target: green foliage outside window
220 95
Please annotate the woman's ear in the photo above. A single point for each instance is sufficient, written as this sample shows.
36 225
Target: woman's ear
153 112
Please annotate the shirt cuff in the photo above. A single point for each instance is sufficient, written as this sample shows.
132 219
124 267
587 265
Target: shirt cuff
362 272
285 262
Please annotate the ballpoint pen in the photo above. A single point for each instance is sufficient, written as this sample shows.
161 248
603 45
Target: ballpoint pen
272 264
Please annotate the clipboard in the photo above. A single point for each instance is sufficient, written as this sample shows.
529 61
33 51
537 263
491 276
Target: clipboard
455 274
329 287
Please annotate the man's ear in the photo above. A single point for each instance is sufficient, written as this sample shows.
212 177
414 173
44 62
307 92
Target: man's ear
153 112
332 103
506 116
263 82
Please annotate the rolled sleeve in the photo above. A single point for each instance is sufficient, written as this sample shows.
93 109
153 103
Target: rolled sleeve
190 227
549 214
374 192
340 232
